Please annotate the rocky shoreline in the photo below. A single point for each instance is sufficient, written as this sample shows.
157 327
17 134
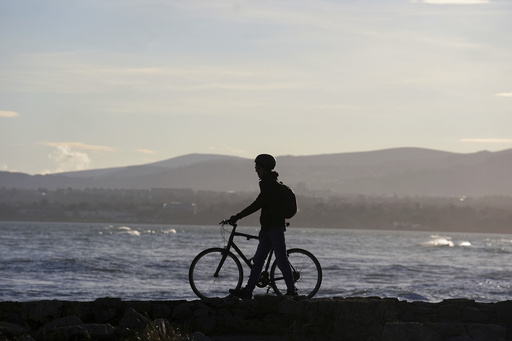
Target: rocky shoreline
276 318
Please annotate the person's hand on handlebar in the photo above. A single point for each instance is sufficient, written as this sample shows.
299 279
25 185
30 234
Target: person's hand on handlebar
231 221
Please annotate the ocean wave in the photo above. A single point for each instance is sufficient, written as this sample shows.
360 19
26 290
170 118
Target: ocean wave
439 241
135 261
442 241
128 230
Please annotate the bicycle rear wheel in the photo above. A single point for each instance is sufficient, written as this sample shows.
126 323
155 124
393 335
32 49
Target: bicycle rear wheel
203 280
306 270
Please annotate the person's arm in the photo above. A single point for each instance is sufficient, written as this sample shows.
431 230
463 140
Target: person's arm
256 205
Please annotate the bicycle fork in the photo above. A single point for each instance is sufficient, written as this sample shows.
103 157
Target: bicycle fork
221 263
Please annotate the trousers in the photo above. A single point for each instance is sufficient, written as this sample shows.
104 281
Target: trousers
268 239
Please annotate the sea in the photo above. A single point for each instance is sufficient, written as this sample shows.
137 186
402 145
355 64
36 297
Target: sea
86 261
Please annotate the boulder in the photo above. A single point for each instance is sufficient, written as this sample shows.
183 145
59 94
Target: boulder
12 329
133 320
99 331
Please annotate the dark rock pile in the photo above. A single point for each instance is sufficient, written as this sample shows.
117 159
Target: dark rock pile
297 319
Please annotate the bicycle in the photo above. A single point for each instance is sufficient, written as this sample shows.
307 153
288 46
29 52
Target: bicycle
216 270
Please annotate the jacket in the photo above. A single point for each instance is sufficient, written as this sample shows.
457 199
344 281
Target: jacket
268 202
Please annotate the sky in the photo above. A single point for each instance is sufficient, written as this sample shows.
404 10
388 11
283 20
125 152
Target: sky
97 84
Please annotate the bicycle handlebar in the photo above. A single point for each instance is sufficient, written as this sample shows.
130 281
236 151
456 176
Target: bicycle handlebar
226 222
235 233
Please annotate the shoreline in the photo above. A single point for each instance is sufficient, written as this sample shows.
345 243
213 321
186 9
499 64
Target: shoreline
276 318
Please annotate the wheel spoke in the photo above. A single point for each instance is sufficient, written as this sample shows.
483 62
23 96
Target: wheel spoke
306 271
203 280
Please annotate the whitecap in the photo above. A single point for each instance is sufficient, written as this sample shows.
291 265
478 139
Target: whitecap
440 241
172 231
128 230
464 244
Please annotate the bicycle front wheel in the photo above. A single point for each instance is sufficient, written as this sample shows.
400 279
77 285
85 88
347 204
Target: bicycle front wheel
306 270
213 272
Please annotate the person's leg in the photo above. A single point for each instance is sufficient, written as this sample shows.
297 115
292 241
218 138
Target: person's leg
279 244
264 247
259 258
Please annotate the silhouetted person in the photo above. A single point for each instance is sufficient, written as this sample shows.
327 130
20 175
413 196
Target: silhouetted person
272 230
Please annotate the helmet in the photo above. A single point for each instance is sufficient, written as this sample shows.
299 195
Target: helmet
265 161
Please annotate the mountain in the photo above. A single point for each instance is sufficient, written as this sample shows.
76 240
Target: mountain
398 171
150 168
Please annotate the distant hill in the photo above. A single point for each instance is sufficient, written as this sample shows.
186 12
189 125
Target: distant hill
399 171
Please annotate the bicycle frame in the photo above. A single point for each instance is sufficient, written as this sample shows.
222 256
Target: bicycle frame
232 244
264 279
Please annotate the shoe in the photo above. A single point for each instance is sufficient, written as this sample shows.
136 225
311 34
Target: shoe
241 293
292 293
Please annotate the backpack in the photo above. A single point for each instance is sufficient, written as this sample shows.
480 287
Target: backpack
288 201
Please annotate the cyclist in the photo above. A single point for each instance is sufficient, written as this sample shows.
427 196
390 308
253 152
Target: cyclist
273 226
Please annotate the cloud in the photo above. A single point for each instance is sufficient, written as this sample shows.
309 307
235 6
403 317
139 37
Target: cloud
8 114
72 156
69 159
145 151
454 2
504 94
487 140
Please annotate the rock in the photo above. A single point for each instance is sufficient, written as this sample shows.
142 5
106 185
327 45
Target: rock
75 333
107 309
133 320
40 312
289 307
486 332
11 312
63 322
206 324
463 302
504 309
182 312
407 331
104 315
99 331
450 312
347 319
412 331
26 338
114 302
421 312
474 315
161 310
12 329
202 310
198 336
50 328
